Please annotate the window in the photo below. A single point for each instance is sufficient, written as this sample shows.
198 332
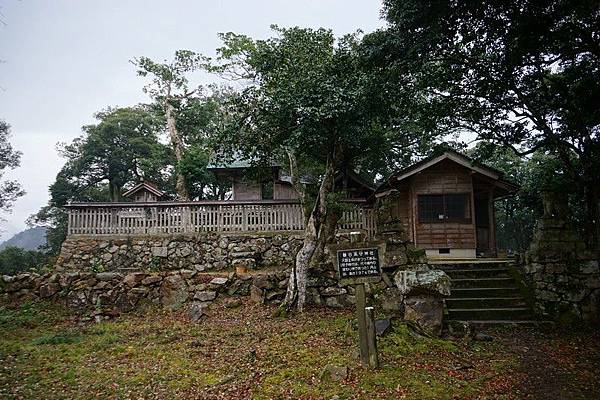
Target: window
444 207
266 190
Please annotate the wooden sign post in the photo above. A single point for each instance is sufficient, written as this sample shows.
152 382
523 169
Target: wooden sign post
356 266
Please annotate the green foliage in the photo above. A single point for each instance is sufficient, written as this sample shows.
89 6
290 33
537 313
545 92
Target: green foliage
121 149
67 337
14 260
202 184
97 267
516 216
28 315
168 76
308 94
10 190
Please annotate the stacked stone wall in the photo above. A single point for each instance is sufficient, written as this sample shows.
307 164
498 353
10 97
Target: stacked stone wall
202 252
564 287
564 277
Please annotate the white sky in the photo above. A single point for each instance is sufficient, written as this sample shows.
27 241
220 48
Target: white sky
64 60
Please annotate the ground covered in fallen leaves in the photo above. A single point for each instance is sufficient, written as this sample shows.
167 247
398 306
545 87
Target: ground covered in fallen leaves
246 353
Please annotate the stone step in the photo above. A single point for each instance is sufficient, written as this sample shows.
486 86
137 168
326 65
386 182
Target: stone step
481 282
483 324
484 302
473 265
479 273
483 314
507 291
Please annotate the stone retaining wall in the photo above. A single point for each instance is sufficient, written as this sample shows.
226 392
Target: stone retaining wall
167 289
563 276
201 252
564 288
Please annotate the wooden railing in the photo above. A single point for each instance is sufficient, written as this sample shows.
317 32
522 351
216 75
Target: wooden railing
199 216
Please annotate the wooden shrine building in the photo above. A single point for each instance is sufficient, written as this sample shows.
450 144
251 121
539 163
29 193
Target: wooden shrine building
445 205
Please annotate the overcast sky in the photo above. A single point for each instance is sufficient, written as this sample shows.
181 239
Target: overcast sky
62 61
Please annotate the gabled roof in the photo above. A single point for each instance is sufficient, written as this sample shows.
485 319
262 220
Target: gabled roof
145 185
488 172
221 163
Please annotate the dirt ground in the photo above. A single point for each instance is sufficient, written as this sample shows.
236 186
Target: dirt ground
246 353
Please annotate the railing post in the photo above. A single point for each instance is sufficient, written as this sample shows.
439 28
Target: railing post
244 218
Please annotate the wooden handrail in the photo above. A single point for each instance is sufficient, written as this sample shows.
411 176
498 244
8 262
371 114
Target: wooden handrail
155 218
129 204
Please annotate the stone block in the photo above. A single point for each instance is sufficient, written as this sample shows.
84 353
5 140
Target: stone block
426 312
218 281
333 291
134 278
160 252
248 263
433 282
205 296
151 280
49 290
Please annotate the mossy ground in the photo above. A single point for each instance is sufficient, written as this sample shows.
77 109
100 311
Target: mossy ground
245 352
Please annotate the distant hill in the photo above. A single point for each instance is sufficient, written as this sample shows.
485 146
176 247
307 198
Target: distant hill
29 239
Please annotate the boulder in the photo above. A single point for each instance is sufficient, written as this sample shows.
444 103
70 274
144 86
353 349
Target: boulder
49 290
257 295
197 311
382 326
174 292
392 301
151 280
160 252
459 329
107 276
134 278
263 282
218 281
426 312
430 282
244 263
334 373
205 296
232 303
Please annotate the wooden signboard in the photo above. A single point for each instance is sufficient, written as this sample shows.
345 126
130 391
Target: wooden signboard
357 264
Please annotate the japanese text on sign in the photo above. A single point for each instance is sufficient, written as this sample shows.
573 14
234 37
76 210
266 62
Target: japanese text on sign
358 262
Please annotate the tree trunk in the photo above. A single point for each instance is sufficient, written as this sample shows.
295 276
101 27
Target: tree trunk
296 184
114 192
177 143
320 228
592 216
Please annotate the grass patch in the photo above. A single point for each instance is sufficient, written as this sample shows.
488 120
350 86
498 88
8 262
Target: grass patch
245 353
67 337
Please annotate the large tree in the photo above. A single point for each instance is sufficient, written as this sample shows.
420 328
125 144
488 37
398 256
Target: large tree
121 149
118 151
523 74
168 88
309 100
10 190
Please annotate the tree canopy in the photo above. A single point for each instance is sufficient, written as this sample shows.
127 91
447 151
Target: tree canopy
308 98
522 74
10 190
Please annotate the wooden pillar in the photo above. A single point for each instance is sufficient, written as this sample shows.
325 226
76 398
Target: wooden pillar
371 338
362 323
492 223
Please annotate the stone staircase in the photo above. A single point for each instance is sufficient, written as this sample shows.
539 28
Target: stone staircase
484 293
